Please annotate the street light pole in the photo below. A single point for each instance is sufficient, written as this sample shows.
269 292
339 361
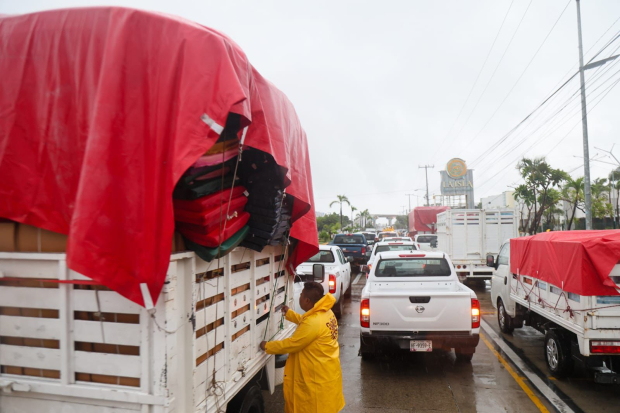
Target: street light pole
584 123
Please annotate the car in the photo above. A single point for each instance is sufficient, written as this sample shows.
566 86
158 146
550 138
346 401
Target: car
335 276
354 246
426 242
399 239
414 301
370 237
390 244
385 234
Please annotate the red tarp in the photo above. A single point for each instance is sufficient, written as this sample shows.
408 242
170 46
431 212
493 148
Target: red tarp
421 218
576 261
101 112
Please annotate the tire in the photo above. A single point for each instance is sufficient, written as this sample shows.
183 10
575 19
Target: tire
348 292
366 352
505 322
557 354
464 354
249 401
338 308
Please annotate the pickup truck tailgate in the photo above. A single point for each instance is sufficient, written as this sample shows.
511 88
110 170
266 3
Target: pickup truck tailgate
437 308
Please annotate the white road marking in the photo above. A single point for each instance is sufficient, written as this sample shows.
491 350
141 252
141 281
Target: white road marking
526 371
357 279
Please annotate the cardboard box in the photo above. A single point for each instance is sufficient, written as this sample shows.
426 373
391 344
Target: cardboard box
178 244
33 239
8 236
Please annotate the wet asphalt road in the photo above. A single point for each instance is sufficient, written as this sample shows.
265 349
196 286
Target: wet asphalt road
410 382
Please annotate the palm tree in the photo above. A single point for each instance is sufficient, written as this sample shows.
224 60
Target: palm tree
614 179
341 199
353 209
573 192
365 215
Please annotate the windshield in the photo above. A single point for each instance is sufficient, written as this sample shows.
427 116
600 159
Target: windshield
349 239
323 256
369 236
427 238
413 267
382 248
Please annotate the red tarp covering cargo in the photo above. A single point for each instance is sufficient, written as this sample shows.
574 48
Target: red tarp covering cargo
576 261
101 112
421 218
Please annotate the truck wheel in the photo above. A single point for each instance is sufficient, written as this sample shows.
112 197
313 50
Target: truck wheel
348 292
503 319
464 354
338 308
557 354
366 352
249 401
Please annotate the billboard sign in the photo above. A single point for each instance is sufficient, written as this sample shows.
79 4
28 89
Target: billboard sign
458 180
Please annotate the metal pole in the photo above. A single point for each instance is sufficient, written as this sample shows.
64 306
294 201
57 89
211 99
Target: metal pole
584 123
426 170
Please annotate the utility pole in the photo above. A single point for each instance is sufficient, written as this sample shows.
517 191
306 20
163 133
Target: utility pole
426 170
584 123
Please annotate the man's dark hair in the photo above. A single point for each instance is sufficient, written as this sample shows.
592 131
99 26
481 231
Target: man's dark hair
313 291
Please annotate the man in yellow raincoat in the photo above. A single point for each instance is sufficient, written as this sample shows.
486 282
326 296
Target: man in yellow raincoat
312 376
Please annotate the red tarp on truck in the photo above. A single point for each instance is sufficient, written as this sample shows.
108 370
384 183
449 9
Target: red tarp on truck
103 109
576 261
421 218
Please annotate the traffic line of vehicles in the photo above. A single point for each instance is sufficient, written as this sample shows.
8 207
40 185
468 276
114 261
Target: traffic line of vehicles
415 298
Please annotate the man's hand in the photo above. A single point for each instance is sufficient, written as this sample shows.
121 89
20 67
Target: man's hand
285 309
262 345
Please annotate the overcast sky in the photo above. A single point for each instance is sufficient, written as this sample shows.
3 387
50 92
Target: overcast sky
379 86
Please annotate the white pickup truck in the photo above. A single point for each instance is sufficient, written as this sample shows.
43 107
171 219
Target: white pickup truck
335 278
577 327
414 301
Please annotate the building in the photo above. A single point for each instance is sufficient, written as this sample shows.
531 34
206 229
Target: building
504 200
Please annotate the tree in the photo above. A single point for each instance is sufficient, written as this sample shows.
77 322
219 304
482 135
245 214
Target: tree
614 180
402 221
363 217
329 221
539 178
353 209
572 192
601 200
341 199
551 213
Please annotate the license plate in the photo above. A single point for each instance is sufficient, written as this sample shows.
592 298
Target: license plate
421 345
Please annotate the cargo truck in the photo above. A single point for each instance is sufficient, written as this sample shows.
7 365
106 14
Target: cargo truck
158 127
468 236
566 285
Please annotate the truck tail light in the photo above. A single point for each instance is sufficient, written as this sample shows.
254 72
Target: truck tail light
411 255
475 313
365 313
363 250
606 347
332 283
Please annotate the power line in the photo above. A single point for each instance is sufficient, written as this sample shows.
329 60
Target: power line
521 75
524 120
475 81
603 94
495 70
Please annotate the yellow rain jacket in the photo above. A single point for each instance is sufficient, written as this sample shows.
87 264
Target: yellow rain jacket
312 376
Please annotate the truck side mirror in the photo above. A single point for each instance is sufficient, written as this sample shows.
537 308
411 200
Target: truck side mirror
318 273
349 259
434 243
364 269
490 261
